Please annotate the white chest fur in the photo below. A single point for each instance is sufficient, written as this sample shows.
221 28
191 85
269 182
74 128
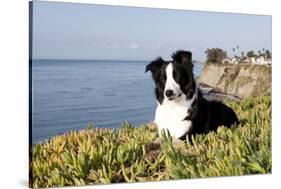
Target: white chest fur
170 116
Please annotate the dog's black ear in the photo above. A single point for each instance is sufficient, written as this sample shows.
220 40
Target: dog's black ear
154 65
184 57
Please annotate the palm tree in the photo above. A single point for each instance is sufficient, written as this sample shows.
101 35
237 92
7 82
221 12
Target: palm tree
268 54
206 52
237 48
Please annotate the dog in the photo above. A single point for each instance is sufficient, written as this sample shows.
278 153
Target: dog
181 109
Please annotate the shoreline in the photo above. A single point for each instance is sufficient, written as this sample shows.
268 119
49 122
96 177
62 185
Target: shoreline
210 93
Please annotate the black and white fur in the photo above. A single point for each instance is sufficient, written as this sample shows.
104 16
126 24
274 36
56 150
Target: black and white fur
181 108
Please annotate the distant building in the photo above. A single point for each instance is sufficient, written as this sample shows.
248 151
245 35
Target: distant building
260 60
230 60
245 60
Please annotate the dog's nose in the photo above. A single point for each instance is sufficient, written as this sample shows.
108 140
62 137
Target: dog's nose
169 93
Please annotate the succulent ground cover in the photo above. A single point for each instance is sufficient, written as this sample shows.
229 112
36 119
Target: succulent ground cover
128 154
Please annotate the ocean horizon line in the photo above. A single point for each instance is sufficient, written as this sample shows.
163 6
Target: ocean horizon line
97 60
101 60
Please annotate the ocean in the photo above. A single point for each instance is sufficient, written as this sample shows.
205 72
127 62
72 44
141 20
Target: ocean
71 94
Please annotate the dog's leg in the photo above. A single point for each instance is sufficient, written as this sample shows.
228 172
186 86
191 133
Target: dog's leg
157 140
176 142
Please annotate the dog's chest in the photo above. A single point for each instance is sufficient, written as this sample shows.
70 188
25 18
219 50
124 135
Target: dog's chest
171 117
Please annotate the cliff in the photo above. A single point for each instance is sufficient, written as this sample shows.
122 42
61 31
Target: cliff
240 80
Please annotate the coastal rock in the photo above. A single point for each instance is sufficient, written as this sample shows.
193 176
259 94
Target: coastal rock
242 80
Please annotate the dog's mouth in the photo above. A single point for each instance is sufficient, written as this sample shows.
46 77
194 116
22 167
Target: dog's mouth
173 98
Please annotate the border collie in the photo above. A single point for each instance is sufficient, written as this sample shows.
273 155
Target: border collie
181 109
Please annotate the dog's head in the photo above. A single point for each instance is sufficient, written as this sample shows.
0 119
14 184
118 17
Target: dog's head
173 78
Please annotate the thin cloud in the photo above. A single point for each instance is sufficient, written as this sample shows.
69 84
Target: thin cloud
133 46
113 46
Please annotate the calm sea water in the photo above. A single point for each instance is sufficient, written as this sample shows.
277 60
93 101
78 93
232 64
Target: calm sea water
72 94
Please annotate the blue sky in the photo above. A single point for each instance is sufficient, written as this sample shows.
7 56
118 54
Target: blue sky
86 31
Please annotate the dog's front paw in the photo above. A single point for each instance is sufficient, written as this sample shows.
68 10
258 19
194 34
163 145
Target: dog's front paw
158 140
176 142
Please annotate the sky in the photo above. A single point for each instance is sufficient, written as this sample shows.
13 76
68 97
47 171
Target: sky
87 31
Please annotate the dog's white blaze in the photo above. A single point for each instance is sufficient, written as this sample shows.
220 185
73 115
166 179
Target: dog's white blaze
171 84
171 113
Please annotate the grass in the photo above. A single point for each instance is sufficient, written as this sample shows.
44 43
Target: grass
95 156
